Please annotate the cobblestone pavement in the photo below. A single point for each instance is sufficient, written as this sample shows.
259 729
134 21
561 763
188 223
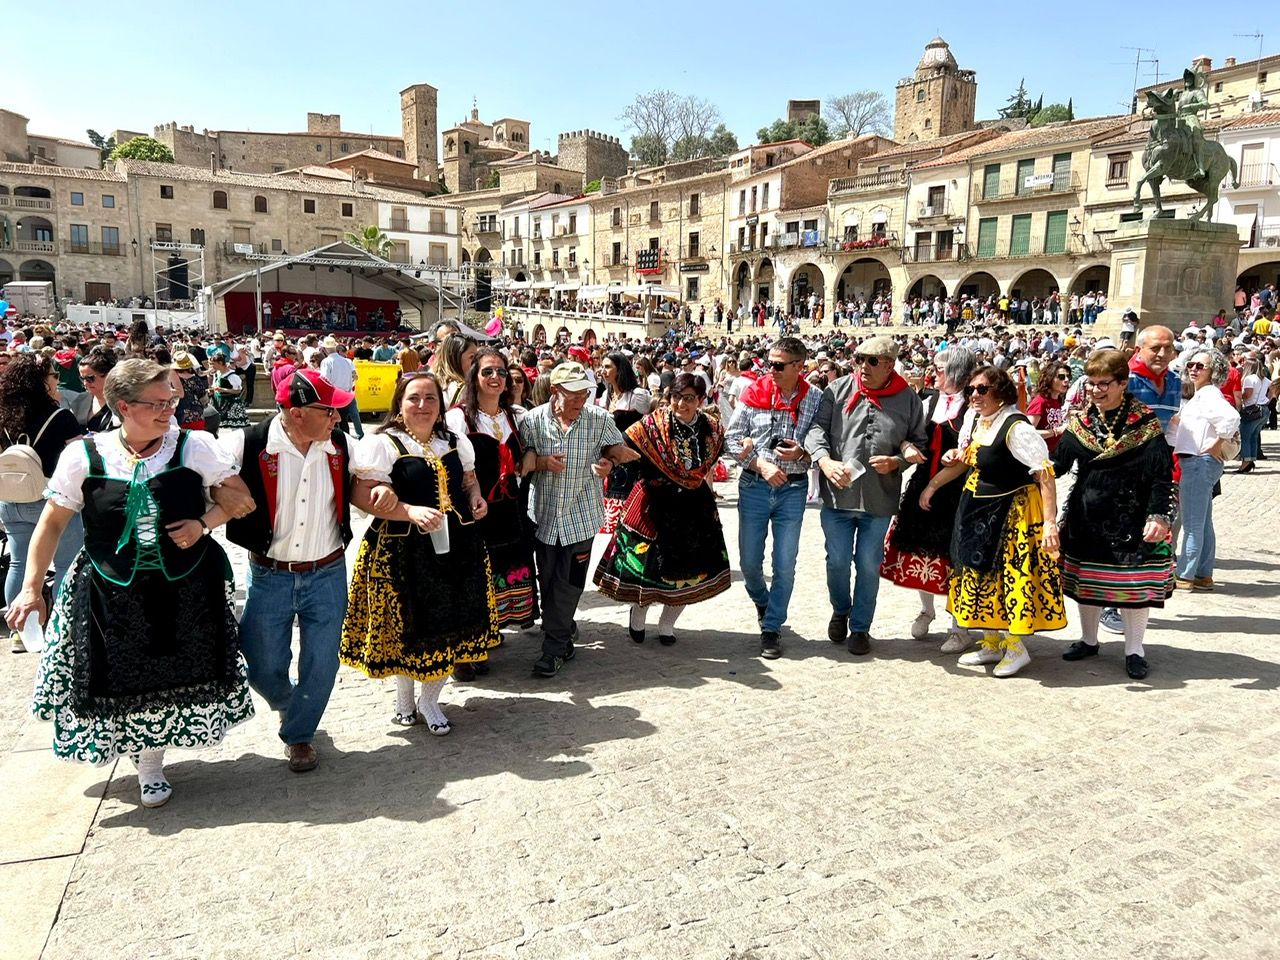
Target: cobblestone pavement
696 801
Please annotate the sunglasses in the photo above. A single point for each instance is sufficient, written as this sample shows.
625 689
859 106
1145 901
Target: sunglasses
781 364
1194 366
869 361
1064 377
89 379
981 389
495 372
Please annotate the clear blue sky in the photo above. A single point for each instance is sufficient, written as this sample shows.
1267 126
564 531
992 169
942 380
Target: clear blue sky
263 65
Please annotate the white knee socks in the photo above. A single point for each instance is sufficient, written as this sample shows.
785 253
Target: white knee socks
1089 617
1135 627
404 696
926 601
429 701
667 622
637 617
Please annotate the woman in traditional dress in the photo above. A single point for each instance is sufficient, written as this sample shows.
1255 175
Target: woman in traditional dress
193 391
227 391
917 552
487 417
669 547
143 649
451 363
1004 545
421 598
1116 547
628 401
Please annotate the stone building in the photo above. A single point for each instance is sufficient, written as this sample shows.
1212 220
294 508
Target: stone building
18 145
938 100
1235 87
1253 141
594 155
472 147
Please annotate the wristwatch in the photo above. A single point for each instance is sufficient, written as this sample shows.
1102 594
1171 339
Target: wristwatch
204 527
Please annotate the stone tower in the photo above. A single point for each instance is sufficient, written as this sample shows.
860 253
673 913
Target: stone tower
418 126
594 155
938 100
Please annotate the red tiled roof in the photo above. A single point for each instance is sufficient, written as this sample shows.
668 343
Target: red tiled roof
1263 118
1033 138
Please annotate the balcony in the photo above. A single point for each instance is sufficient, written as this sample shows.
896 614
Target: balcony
399 224
797 238
841 186
1006 250
1012 188
47 247
1254 175
877 241
25 203
933 253
1264 238
935 211
233 250
95 248
481 225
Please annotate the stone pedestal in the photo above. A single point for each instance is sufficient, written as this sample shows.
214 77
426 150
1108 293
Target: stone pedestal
1173 271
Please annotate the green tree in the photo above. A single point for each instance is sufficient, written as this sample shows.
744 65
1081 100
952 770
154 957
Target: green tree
649 150
1071 109
1053 113
1018 106
591 187
666 126
371 239
104 144
493 180
142 148
723 142
813 130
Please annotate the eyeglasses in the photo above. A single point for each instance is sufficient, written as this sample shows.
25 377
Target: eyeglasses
327 411
869 361
495 372
1193 366
158 406
981 389
685 398
1101 384
92 378
781 364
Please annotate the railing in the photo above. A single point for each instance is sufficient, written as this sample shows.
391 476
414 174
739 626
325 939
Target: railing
31 246
933 253
697 252
95 248
228 248
800 238
927 211
1257 175
26 203
1006 250
867 181
481 225
887 241
1015 187
1265 238
398 224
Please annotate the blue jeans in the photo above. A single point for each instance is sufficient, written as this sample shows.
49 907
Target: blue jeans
319 602
351 415
1195 495
760 505
20 521
1251 437
854 539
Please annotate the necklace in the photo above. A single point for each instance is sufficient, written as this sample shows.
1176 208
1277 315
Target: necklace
424 444
1111 439
137 455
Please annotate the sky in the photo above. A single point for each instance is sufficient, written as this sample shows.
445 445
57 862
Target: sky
235 65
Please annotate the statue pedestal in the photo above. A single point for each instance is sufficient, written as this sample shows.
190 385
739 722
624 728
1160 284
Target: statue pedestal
1173 271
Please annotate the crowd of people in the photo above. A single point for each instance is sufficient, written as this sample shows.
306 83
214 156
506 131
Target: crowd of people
935 461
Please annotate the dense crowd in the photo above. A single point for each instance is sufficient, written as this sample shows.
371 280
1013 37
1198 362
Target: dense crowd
1006 469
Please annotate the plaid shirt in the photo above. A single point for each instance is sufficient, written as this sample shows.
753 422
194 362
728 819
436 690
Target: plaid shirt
569 507
762 425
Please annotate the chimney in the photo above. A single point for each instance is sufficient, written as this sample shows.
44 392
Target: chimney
1229 62
1204 64
213 163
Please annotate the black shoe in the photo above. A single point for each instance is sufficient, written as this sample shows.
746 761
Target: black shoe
837 628
636 635
1135 666
548 665
464 672
770 648
667 641
481 668
760 612
859 642
1079 650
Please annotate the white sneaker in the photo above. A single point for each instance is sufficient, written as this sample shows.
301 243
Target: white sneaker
980 657
155 793
1111 621
957 641
1015 658
15 643
920 625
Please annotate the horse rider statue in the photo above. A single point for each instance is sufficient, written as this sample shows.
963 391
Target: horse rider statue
1192 101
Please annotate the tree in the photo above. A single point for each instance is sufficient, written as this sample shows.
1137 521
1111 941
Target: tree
1053 113
813 130
371 239
142 148
649 150
723 142
669 126
853 114
493 180
1019 105
1071 109
104 144
591 186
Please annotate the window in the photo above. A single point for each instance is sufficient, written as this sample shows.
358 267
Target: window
1020 235
438 255
1026 168
691 291
695 204
166 191
277 168
990 181
653 211
927 123
276 245
919 94
1055 232
515 226
308 205
111 241
348 210
753 199
319 148
573 256
695 244
573 224
344 148
79 238
466 146
537 258
240 235
1118 168
164 232
259 204
220 200
77 199
1217 87
987 236
555 259
400 154
851 231
615 255
556 188
437 224
764 197
742 202
617 217
109 201
536 226
1262 78
197 236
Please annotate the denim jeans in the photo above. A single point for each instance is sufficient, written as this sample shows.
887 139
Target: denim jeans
20 521
760 505
854 538
1195 494
319 602
351 415
1251 437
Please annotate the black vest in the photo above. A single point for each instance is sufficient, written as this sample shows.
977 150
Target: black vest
179 495
415 483
999 471
256 531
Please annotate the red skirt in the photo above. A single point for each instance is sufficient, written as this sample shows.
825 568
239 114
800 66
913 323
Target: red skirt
915 571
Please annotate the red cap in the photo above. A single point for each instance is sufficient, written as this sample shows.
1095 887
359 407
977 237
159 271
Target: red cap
581 354
306 388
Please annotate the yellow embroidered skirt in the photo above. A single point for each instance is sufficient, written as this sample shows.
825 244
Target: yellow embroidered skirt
1022 593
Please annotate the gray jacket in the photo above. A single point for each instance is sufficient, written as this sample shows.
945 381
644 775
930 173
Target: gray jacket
868 431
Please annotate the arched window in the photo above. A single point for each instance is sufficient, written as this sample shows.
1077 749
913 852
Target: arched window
466 146
556 188
219 199
448 144
259 204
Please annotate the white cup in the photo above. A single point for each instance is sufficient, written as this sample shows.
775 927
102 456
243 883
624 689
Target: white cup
440 537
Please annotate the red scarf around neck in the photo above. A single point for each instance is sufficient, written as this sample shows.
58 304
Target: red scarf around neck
895 385
764 395
1141 369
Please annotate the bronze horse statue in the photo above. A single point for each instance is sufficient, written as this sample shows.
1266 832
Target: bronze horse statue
1169 156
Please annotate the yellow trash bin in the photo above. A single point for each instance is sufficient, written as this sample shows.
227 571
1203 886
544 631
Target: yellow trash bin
375 383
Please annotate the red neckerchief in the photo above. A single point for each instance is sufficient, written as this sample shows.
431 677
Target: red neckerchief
764 395
1141 369
895 386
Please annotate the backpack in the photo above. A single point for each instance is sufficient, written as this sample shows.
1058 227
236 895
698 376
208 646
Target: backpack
22 478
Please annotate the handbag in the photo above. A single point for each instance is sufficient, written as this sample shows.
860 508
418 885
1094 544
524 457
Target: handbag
1253 412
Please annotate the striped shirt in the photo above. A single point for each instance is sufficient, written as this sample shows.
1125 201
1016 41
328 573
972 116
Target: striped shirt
763 425
569 506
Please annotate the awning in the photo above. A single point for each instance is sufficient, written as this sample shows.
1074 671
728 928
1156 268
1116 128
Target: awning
518 285
657 290
501 283
593 291
542 285
1244 224
570 285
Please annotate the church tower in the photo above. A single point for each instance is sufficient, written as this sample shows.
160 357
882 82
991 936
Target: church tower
418 127
939 100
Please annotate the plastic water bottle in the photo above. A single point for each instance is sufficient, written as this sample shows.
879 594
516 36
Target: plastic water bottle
33 633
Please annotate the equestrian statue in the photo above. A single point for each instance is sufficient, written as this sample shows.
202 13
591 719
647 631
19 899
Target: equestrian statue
1176 147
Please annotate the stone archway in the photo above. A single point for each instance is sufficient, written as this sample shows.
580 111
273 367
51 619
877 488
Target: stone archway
765 277
742 284
483 255
804 280
927 287
1096 277
1258 276
1035 283
36 270
978 284
520 277
6 271
864 278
